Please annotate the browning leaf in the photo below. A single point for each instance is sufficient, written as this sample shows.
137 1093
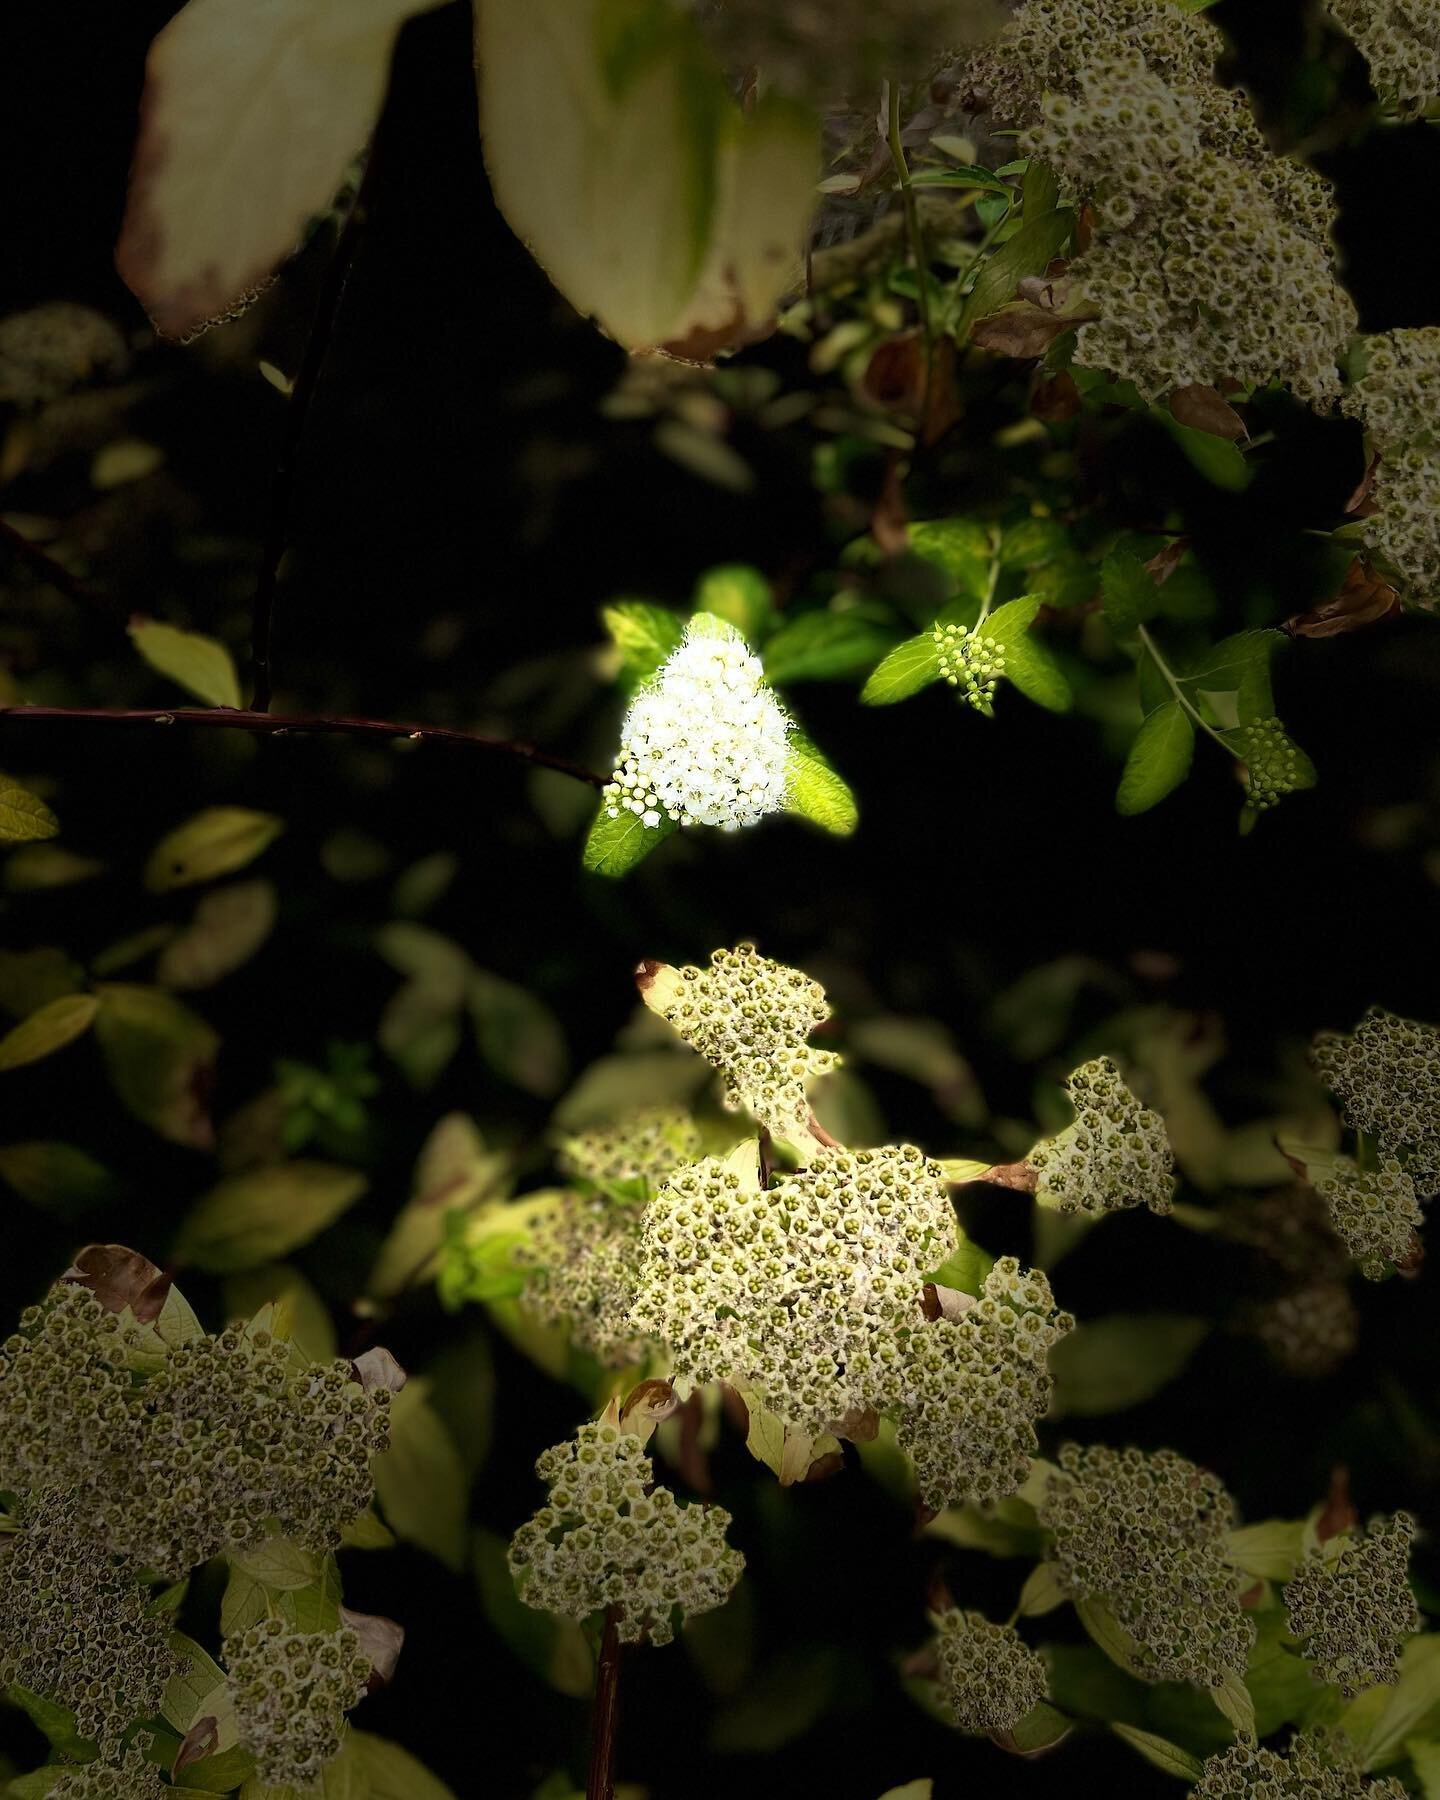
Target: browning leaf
1055 397
1021 329
201 1740
118 1278
1364 599
377 1368
1203 408
381 1640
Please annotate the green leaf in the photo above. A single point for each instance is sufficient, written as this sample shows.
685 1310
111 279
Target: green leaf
393 1773
644 634
230 925
912 1790
1426 1759
1408 1702
518 1035
1130 596
823 646
738 594
965 175
453 1175
1270 1551
815 791
1239 664
1042 1593
214 842
614 846
1039 189
1217 459
1108 1634
56 1175
279 1563
1232 1697
48 1029
962 549
1159 759
1034 672
1041 1729
1030 543
421 1480
316 1606
1160 1753
1029 252
908 668
305 1318
1107 1364
243 1602
968 1267
160 1057
263 1214
197 1689
24 817
200 665
57 1723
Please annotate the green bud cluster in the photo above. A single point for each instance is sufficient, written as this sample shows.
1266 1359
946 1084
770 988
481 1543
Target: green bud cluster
1311 1769
751 1017
1351 1601
647 1145
1374 1212
609 1537
966 1392
1394 399
1386 1077
1400 39
128 1776
292 1690
75 1623
1146 1534
227 1436
971 663
1116 1153
581 1256
989 1676
1308 1331
1273 765
792 1290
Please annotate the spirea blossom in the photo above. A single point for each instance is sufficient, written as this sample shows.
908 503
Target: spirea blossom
1351 1601
1394 398
1400 40
128 1776
989 1676
1115 1154
1386 1077
581 1255
292 1690
646 1146
705 741
1310 1769
1374 1211
609 1537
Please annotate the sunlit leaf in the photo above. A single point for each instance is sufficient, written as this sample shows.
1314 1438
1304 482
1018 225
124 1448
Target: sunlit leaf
24 817
214 842
1159 759
614 846
200 665
815 791
908 668
48 1029
421 1481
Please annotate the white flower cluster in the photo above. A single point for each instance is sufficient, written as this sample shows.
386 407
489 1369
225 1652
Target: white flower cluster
609 1537
580 1255
791 1291
705 741
1400 39
989 1676
971 663
1146 1534
966 1392
1386 1076
1374 1212
750 1018
645 1146
1311 1769
1395 400
1115 1154
130 1776
1352 1603
292 1690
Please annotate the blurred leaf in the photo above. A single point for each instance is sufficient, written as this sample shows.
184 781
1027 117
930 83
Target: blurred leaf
645 635
161 1061
230 925
58 1176
214 842
1158 761
555 1648
1415 1695
1270 1551
815 791
908 668
1169 1758
421 1481
424 884
615 1085
392 1773
518 1035
961 548
912 1790
455 1172
29 979
48 1029
1130 595
1218 460
35 867
784 1700
1107 1364
308 1317
24 816
1042 1593
56 1722
824 646
200 665
740 595
259 1216
1039 189
614 846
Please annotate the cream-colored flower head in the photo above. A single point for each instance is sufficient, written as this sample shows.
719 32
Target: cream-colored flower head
1116 1153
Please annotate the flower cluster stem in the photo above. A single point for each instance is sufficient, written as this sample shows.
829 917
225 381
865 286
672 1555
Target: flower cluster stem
605 1712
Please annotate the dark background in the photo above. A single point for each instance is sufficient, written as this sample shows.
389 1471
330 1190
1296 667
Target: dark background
462 511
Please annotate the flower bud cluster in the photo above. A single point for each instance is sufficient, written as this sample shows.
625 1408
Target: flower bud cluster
75 1624
609 1537
751 1017
792 1290
292 1690
127 1777
1273 765
582 1256
1386 1076
646 1146
1116 1153
971 663
989 1676
53 348
966 1391
1146 1535
1400 39
705 741
1394 398
1311 1769
1310 1330
1351 1600
1374 1212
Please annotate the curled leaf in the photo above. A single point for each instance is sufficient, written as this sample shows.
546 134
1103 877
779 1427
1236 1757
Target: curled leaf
118 1278
1205 409
381 1640
377 1368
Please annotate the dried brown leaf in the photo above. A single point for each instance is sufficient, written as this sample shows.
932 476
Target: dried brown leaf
1364 599
1203 408
118 1278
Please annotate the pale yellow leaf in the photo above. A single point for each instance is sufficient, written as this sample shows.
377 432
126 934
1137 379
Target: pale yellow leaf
199 664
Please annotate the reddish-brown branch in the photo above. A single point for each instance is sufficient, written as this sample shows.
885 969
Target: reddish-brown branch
224 718
605 1712
52 570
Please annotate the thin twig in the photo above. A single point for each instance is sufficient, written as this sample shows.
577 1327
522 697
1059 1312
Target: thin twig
224 718
605 1712
51 569
297 412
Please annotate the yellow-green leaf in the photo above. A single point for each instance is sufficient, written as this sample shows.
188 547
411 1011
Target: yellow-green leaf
47 1030
1159 1752
614 846
421 1480
263 1214
201 665
214 842
24 816
393 1773
908 668
160 1057
815 791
